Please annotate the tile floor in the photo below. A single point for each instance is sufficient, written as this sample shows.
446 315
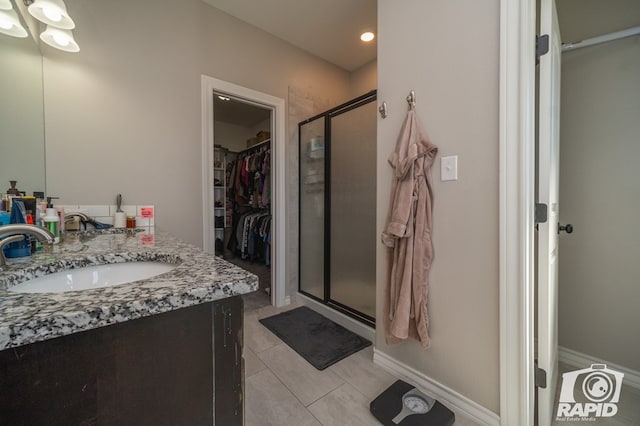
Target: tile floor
282 389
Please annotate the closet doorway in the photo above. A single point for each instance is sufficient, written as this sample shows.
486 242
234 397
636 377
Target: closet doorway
242 189
593 310
243 196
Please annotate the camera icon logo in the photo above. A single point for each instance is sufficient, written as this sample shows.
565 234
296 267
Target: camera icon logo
592 391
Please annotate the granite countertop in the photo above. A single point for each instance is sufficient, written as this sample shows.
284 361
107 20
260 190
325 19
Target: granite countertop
199 277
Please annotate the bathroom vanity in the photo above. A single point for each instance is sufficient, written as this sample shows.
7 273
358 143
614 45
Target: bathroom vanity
162 350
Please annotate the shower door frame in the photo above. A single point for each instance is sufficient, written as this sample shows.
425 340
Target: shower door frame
327 116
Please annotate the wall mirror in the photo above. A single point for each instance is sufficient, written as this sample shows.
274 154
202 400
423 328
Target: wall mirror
22 148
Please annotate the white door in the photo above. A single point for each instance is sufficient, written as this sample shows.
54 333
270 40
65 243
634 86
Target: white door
548 177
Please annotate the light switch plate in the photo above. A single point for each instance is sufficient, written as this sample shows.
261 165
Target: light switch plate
449 168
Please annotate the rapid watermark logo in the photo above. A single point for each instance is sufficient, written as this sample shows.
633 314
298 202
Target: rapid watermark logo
589 393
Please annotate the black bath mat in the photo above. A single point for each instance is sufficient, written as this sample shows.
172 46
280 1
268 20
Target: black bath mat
317 339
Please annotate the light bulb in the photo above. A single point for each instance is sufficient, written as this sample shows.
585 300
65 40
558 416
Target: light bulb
52 14
5 25
10 24
61 39
368 36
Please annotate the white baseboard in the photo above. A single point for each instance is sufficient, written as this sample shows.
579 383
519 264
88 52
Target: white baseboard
580 360
285 302
448 397
347 322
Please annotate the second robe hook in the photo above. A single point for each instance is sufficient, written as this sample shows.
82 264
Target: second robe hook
411 99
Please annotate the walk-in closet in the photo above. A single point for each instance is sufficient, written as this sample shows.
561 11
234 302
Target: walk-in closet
242 189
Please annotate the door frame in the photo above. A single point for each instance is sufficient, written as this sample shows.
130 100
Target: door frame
517 198
278 167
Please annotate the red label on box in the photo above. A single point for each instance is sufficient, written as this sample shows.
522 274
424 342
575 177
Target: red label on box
147 239
146 212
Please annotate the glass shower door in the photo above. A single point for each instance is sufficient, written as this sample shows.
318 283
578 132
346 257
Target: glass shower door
312 204
352 198
338 208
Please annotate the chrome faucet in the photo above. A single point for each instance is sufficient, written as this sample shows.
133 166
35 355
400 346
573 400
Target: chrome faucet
15 232
86 219
70 217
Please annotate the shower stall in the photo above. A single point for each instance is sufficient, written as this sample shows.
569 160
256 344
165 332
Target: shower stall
338 208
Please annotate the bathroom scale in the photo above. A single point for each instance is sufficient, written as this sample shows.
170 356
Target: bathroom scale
402 404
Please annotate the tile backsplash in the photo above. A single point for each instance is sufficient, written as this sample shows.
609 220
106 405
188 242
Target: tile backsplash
104 214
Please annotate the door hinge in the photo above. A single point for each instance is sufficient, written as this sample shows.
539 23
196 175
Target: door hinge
542 45
541 214
540 378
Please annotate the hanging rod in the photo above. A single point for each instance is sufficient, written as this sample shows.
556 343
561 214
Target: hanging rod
601 39
255 147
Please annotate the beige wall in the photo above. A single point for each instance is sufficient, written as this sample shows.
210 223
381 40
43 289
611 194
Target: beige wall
232 136
123 115
432 48
364 79
600 188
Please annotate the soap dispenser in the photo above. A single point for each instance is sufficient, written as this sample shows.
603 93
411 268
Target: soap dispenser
52 220
13 190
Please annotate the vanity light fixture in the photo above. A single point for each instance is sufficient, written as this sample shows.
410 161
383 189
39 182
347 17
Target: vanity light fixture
52 12
367 36
5 5
60 39
10 24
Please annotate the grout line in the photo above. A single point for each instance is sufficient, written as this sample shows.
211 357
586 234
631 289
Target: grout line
287 388
319 398
291 390
312 415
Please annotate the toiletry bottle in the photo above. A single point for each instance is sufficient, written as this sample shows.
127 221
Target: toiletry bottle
29 203
18 248
38 222
61 227
5 218
52 222
13 190
34 241
131 222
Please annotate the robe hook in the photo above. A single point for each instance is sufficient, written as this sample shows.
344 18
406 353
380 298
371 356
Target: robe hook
383 110
411 99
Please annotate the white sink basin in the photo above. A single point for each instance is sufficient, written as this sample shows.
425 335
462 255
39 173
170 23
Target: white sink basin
92 277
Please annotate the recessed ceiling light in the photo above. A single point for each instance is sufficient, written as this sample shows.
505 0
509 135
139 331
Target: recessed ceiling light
368 36
223 98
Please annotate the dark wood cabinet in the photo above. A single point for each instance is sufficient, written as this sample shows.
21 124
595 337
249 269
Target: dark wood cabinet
182 367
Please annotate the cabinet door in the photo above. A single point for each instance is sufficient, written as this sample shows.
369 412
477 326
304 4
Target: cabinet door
227 349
